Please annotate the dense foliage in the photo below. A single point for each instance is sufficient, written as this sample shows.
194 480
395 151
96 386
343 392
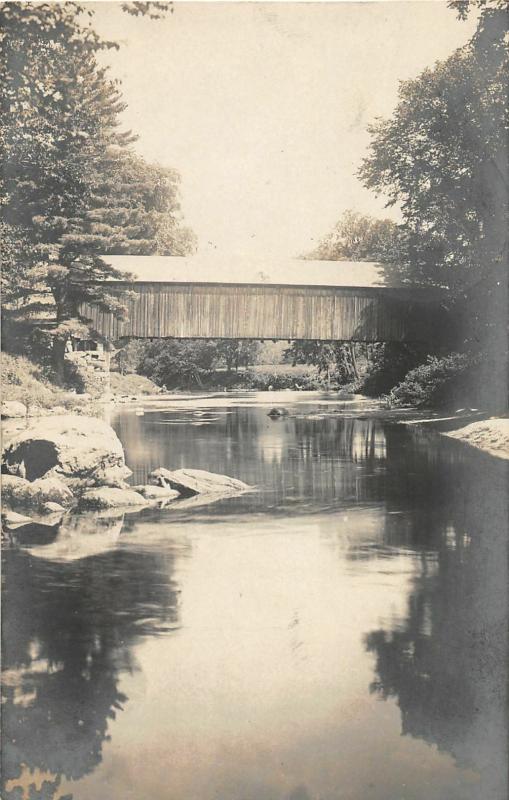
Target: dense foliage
442 157
336 361
439 382
358 237
177 362
388 363
173 363
215 364
71 189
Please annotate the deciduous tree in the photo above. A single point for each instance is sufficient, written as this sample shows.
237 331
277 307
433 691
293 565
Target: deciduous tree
443 158
358 237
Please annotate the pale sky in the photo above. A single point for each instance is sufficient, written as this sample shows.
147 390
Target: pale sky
263 107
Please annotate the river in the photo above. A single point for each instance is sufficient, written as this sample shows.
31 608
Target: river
338 633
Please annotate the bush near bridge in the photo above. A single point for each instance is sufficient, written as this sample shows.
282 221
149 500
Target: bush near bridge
440 383
387 365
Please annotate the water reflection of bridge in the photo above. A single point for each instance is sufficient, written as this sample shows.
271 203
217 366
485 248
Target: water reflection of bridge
442 658
329 459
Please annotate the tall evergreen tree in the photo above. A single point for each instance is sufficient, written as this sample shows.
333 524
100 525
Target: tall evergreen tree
71 188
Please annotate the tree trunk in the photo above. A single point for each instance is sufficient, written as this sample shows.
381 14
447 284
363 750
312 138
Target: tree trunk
354 362
58 358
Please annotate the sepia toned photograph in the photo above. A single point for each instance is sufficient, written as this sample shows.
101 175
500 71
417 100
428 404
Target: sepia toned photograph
254 409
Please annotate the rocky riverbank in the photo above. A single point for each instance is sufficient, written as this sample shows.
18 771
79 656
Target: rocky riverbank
66 463
490 435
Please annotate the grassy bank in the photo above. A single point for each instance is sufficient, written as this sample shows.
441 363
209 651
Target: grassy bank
121 385
29 383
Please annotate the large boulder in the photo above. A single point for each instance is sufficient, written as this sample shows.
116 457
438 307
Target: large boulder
110 476
19 491
196 481
106 497
73 448
13 408
12 485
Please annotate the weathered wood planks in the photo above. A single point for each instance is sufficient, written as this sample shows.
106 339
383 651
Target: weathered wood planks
249 311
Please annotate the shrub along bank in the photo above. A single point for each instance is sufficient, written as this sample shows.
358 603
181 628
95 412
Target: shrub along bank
439 382
402 375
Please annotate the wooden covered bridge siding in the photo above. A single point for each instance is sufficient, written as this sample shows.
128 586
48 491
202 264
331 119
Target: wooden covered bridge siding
249 311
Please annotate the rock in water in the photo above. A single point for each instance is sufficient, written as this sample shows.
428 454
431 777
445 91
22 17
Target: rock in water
157 492
12 408
14 520
277 412
17 490
52 508
72 448
49 490
111 476
11 484
196 481
108 497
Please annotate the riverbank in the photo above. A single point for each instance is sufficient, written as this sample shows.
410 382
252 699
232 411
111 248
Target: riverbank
29 391
489 435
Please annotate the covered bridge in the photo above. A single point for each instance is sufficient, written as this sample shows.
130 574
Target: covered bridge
174 297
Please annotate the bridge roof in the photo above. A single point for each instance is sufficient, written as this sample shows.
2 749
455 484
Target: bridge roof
235 269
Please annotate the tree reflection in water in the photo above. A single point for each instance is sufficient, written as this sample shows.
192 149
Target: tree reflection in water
69 634
446 661
75 619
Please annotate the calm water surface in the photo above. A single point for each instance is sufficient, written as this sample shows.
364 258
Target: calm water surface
339 633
